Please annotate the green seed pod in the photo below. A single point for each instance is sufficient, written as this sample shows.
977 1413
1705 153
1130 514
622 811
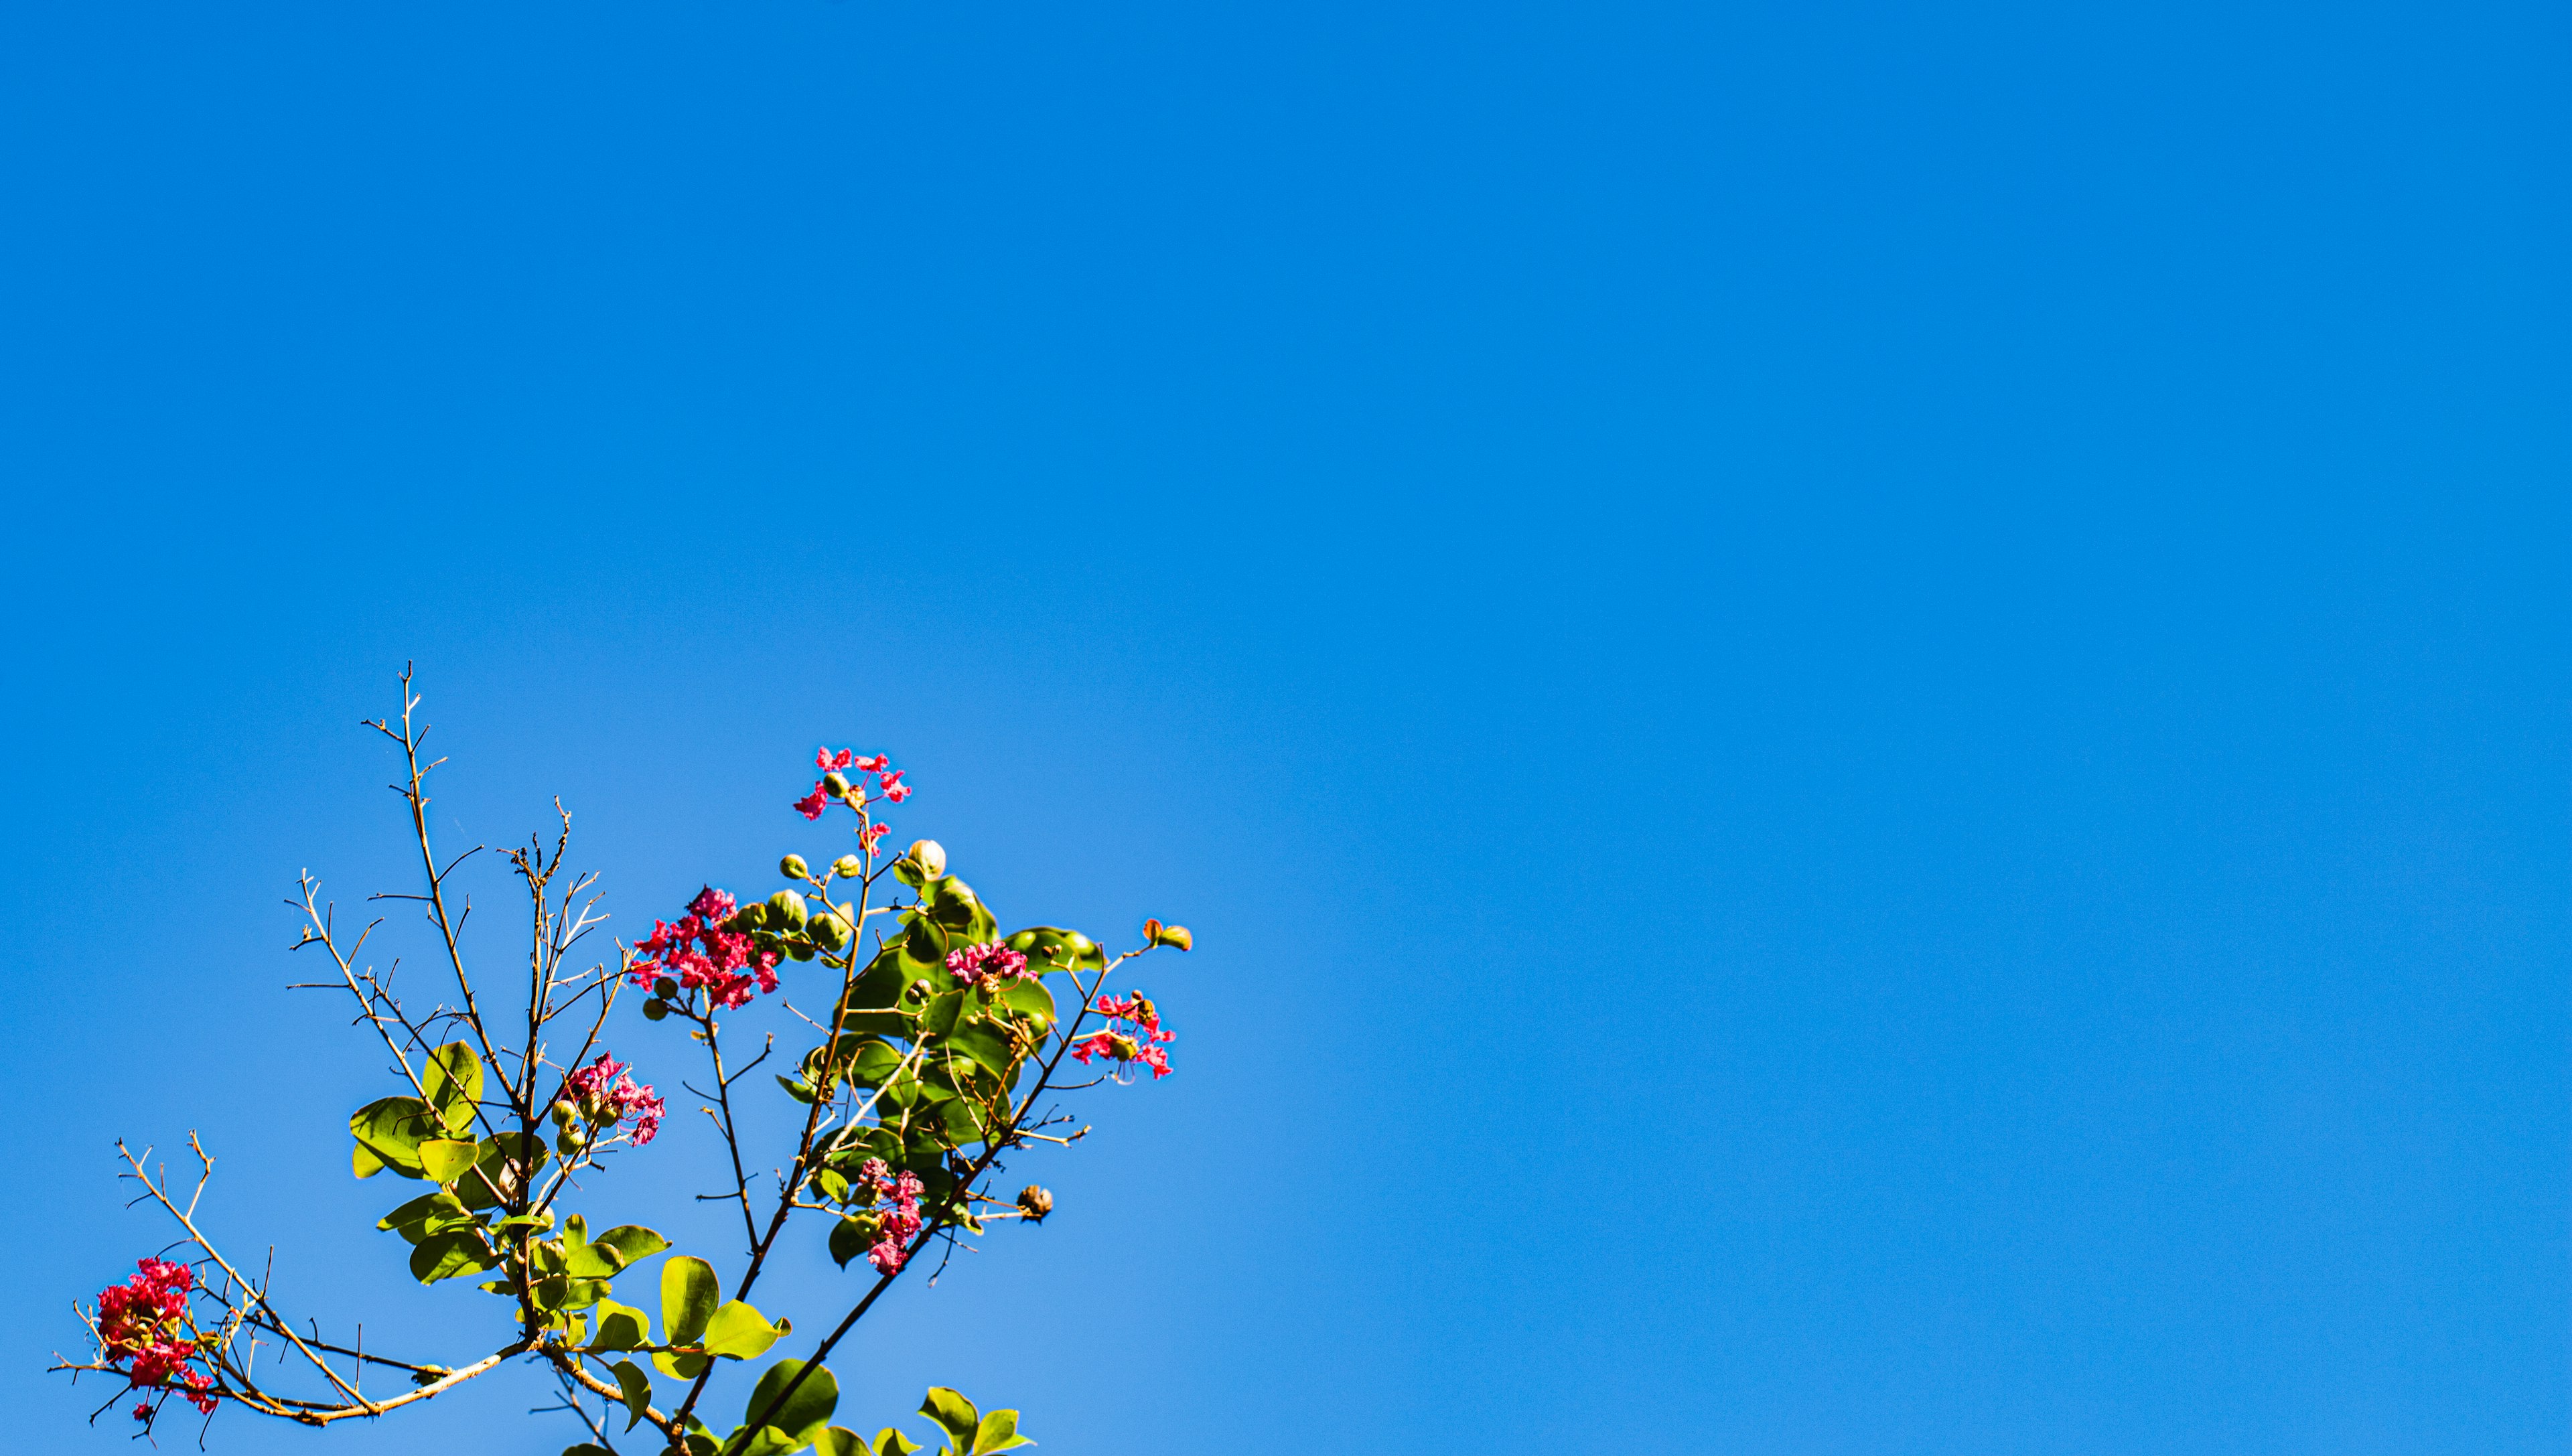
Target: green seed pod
665 987
564 1115
828 930
794 867
848 867
786 907
836 784
570 1141
929 855
655 1010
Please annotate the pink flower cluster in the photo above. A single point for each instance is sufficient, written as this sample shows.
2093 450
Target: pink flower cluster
988 968
698 951
901 1221
839 766
141 1327
1134 1034
605 1087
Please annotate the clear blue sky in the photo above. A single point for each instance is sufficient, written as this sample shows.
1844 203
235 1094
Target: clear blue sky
1862 707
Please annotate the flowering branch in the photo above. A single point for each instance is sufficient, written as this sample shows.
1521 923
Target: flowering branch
944 1040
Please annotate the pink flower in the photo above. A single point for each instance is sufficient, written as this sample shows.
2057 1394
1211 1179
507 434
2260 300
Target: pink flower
1134 1034
143 1327
610 1095
811 804
825 760
592 1080
699 952
900 1223
988 966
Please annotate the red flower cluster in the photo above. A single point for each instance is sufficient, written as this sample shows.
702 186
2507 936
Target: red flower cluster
605 1087
839 766
988 968
142 1327
901 1221
1140 1039
698 951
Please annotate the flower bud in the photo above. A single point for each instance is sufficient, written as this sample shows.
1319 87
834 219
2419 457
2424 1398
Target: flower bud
929 855
786 907
665 987
848 867
836 784
828 930
1036 1202
794 867
1168 934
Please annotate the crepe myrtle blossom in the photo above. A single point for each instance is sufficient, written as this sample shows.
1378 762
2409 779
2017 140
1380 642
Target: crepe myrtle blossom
699 951
1134 1034
143 1330
899 1222
988 968
608 1093
837 784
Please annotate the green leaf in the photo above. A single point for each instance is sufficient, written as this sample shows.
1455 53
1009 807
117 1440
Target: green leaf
739 1332
426 1215
610 1252
620 1327
689 1292
987 1045
504 1161
1050 948
850 1237
952 1410
797 1087
363 1163
445 1159
998 1432
942 1011
874 1061
452 1256
630 1379
1031 996
963 1120
585 1449
769 1441
840 1441
391 1130
453 1082
683 1367
804 1412
892 1442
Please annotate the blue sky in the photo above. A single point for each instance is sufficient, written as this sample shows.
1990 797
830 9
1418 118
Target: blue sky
1862 707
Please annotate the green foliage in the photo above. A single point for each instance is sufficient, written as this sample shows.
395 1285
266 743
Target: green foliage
389 1131
689 1294
738 1332
798 1422
918 1070
636 1388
